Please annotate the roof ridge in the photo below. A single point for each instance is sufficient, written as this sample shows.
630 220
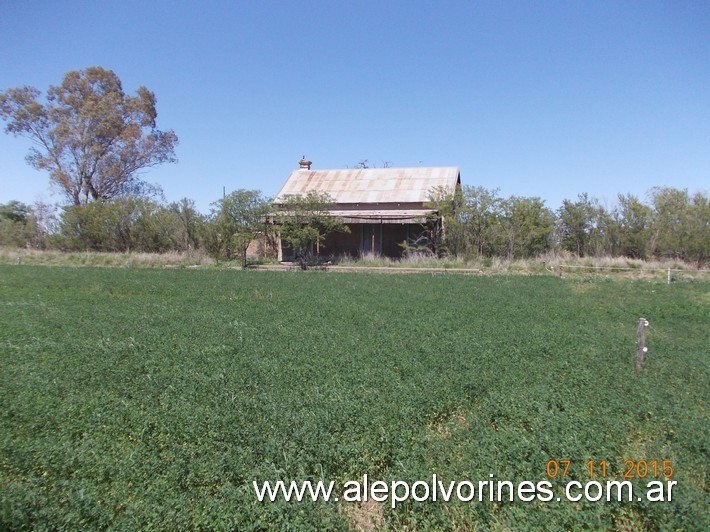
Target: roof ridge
374 168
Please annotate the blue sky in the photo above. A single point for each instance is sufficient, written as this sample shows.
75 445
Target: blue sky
541 98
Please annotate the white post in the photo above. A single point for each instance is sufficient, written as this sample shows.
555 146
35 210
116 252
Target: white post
641 348
669 276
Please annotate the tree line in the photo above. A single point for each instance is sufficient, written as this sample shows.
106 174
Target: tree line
93 139
477 223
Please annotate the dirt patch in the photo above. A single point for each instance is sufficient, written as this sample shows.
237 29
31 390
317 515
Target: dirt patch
365 516
444 429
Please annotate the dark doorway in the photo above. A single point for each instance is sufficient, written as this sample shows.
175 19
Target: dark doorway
371 239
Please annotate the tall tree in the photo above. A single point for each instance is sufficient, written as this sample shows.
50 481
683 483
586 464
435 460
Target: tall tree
671 209
481 209
633 220
89 135
189 223
527 226
469 216
699 222
443 233
238 219
577 220
681 224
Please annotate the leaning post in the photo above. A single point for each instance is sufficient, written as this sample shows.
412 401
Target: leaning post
641 348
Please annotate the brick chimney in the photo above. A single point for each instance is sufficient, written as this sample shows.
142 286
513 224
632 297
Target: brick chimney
304 164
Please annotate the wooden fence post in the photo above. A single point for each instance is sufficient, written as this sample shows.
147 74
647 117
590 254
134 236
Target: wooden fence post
641 348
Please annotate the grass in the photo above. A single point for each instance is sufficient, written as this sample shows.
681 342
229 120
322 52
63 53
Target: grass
103 259
548 264
412 261
148 398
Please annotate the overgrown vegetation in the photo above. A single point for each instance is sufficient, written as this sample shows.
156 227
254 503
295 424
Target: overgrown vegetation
479 223
143 398
237 220
478 226
304 221
109 259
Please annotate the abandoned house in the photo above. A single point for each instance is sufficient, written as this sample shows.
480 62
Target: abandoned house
383 207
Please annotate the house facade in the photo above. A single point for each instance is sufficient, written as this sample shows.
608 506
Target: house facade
383 207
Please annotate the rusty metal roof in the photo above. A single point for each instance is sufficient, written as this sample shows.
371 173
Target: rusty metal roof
371 185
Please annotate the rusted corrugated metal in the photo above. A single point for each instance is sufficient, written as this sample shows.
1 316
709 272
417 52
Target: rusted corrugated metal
372 185
372 216
384 216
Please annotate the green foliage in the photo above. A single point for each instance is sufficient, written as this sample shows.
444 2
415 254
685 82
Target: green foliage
527 225
18 226
633 219
478 223
578 222
189 225
682 224
15 211
130 223
470 225
89 135
481 213
136 399
237 219
304 221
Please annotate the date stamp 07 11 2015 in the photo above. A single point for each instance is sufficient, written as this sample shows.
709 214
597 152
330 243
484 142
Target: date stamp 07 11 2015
631 468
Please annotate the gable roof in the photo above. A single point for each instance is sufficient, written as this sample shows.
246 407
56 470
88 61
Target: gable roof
371 185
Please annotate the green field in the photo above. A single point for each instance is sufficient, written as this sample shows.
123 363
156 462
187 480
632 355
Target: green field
138 398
